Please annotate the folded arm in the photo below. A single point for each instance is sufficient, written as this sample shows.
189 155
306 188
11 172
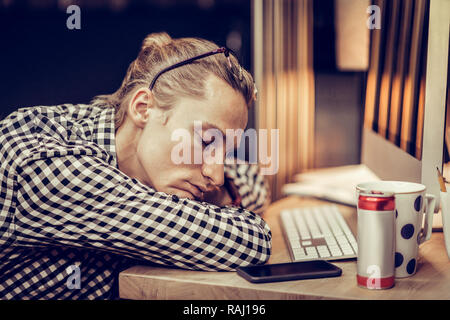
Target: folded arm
82 201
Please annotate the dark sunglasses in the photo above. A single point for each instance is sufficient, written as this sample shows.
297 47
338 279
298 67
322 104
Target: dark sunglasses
237 71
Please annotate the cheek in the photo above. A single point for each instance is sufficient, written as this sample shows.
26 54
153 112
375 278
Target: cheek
186 149
153 154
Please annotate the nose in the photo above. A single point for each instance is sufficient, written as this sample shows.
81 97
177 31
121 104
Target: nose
215 173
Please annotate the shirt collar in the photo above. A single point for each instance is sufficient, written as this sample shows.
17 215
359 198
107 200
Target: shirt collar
104 132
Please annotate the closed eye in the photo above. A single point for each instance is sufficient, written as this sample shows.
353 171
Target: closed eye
207 143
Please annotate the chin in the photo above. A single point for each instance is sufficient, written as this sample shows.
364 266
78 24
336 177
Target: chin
179 193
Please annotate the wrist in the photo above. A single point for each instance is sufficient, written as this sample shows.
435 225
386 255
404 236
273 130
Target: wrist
233 192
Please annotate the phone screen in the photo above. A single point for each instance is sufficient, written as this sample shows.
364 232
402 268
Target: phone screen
270 270
289 271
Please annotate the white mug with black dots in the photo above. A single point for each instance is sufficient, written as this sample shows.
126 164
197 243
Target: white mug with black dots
414 210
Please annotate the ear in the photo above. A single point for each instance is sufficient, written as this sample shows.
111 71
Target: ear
139 106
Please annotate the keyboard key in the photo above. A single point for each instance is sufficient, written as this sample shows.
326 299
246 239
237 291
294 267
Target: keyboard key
323 251
342 240
305 236
306 243
299 253
330 240
311 252
335 251
296 244
347 250
293 236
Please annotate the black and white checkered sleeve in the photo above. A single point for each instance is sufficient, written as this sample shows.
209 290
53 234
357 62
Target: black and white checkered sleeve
82 201
251 185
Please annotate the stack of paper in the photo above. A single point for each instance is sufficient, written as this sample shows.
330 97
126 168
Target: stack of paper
336 184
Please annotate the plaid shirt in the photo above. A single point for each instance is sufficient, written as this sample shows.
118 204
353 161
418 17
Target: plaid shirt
65 207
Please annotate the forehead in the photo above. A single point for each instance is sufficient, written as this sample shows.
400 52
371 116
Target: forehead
229 104
222 106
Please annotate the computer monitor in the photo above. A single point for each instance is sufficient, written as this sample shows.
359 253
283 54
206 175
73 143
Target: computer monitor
404 122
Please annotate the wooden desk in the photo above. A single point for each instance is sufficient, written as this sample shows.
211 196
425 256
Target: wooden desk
432 280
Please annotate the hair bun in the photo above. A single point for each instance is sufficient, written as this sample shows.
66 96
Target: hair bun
156 39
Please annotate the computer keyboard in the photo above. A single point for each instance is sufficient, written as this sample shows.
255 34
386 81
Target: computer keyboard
318 233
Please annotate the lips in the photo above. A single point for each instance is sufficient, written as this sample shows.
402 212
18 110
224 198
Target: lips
193 189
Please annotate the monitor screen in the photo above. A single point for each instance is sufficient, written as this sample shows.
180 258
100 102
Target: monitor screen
406 89
395 92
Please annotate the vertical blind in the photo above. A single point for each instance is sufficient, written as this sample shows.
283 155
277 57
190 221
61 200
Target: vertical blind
395 93
283 68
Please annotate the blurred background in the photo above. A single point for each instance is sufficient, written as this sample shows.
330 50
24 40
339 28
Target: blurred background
42 62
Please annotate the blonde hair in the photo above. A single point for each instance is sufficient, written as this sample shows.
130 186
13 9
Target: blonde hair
159 51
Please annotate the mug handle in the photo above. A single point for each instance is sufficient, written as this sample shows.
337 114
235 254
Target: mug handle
429 212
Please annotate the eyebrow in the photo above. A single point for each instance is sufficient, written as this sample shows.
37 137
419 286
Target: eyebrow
209 125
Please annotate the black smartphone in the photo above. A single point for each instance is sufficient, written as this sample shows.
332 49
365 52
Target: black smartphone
289 271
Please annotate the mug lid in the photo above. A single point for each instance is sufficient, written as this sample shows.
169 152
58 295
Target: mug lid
396 187
376 193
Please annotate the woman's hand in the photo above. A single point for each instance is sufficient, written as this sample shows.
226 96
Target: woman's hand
219 197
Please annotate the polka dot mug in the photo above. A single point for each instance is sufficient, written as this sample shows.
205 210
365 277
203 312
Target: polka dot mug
414 210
